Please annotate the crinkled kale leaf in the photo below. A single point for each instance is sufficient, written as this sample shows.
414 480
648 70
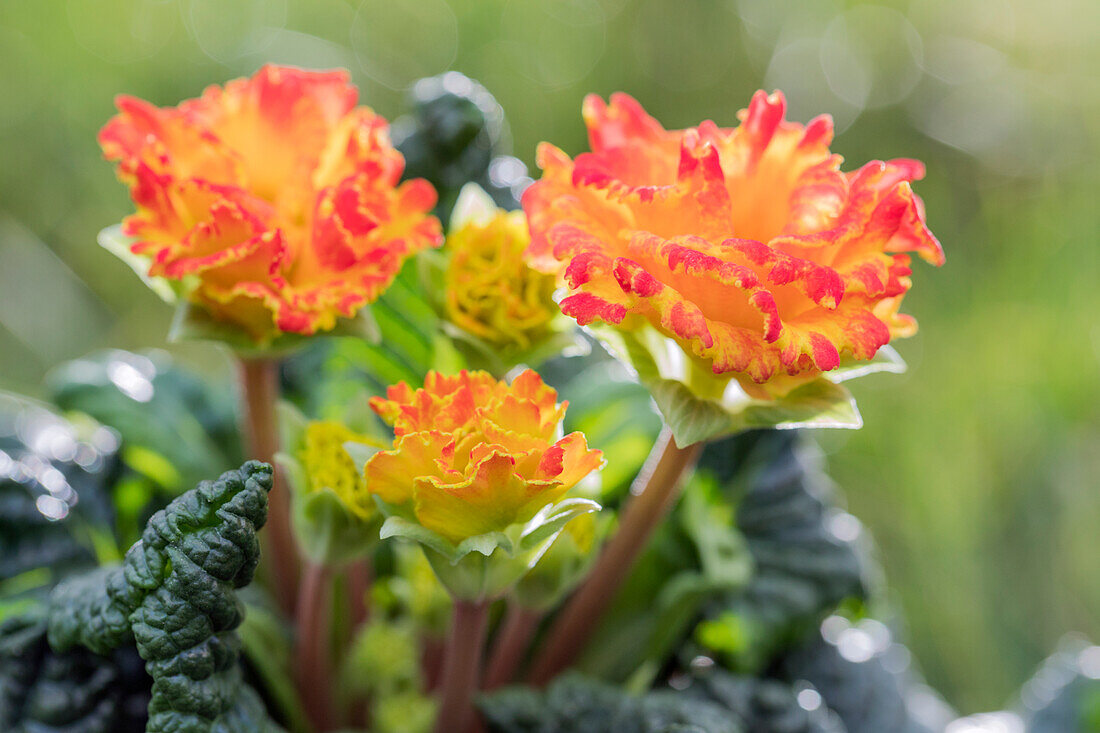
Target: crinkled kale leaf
577 704
42 691
174 596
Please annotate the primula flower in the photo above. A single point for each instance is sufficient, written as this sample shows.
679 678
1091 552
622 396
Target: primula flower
748 246
274 199
474 455
491 292
327 465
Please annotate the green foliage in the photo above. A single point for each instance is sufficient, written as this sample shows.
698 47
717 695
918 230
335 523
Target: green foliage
174 596
55 494
267 651
384 666
176 430
44 691
750 560
575 704
762 704
684 391
802 567
486 566
866 680
1064 695
452 137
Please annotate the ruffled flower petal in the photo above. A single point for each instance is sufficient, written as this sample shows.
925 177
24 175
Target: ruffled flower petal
748 246
275 196
475 455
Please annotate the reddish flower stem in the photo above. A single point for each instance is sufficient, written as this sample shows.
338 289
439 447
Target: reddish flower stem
312 658
360 576
462 667
655 491
260 391
511 645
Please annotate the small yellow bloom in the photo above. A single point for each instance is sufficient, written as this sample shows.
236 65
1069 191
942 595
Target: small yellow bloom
474 455
328 465
491 292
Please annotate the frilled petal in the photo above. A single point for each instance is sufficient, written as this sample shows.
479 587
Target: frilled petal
282 157
489 499
748 246
475 455
489 291
390 473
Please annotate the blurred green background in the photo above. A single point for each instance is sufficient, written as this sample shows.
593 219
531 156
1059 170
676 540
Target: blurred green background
976 471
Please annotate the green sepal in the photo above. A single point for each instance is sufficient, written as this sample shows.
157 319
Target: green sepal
886 360
326 529
477 353
360 453
114 241
561 568
485 566
698 407
192 322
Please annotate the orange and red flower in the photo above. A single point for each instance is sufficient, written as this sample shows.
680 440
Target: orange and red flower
474 455
747 246
275 199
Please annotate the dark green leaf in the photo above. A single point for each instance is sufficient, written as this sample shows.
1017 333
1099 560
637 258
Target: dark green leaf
42 691
803 566
763 704
453 136
1064 695
864 677
175 597
157 407
576 704
55 502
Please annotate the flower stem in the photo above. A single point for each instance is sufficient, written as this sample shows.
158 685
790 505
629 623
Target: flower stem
511 644
312 645
462 666
360 577
654 493
260 388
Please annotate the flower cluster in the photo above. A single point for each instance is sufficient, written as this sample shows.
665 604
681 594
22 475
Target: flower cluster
747 246
275 200
474 455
